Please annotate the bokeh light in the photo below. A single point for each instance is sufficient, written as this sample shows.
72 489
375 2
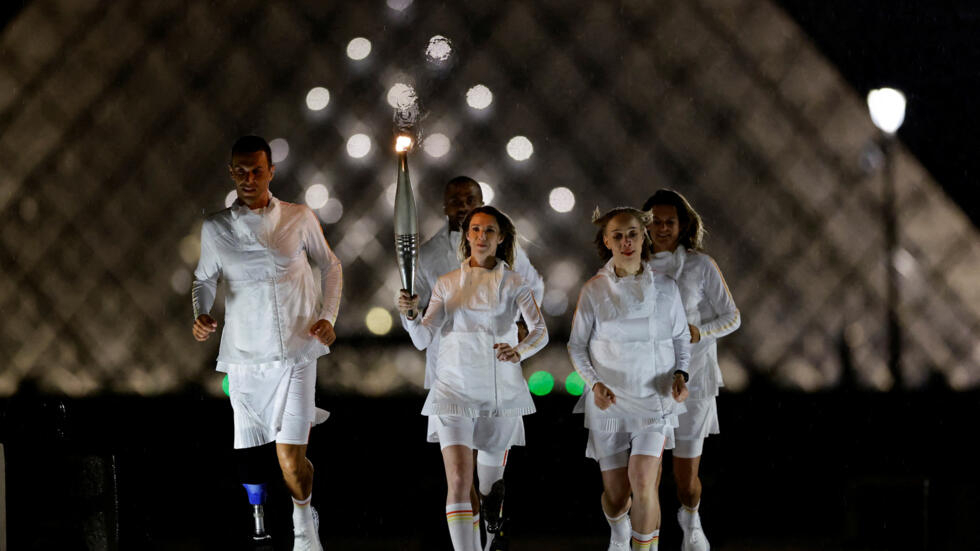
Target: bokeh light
487 192
439 49
555 302
541 383
378 321
230 198
399 5
180 281
317 196
358 48
317 98
436 145
358 145
280 150
561 199
479 97
401 96
574 384
520 148
332 212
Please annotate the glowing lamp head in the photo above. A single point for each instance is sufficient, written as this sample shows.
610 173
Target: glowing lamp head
887 107
403 143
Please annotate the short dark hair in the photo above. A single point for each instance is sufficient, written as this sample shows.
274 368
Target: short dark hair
463 181
251 144
507 249
691 227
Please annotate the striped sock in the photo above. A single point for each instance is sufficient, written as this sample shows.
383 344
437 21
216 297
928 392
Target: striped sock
459 517
645 542
619 528
303 513
476 532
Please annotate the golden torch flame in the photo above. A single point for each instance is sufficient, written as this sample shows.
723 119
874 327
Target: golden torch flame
403 143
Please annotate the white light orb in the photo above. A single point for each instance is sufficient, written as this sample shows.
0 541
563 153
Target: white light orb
280 150
317 196
401 96
358 48
561 199
555 302
520 148
436 145
358 145
439 49
399 5
479 97
487 192
317 98
378 321
331 212
230 198
887 107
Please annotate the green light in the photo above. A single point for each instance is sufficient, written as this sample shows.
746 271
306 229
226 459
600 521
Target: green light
224 385
574 384
541 383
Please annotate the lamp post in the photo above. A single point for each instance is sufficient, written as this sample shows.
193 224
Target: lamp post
887 108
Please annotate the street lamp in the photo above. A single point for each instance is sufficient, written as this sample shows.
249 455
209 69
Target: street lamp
887 108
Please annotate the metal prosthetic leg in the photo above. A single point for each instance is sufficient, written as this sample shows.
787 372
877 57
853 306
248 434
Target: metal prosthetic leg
256 496
492 507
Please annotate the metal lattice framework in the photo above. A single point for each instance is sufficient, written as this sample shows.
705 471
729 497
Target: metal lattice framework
116 117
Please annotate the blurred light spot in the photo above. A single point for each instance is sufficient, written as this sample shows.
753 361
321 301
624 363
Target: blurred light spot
190 249
317 98
332 212
520 148
439 49
399 4
479 97
574 384
904 262
280 150
401 96
540 383
403 143
436 145
358 48
734 374
230 198
378 321
358 145
555 302
28 209
390 193
180 281
564 275
561 199
487 192
317 196
527 229
224 385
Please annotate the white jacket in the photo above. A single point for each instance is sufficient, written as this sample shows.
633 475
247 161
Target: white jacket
471 309
709 306
630 333
272 300
440 255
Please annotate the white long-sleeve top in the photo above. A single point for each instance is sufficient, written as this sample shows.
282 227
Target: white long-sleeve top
709 306
272 300
630 333
471 309
440 255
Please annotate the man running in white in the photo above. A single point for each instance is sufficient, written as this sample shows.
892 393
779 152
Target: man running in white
439 256
277 323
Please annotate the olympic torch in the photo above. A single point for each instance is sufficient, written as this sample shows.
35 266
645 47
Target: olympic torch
406 220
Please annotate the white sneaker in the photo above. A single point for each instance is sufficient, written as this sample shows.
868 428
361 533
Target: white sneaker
304 539
694 538
619 545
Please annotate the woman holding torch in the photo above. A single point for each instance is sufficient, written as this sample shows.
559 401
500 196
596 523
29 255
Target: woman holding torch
631 345
479 394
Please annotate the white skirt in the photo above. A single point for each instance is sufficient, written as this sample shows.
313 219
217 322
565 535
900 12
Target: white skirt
492 434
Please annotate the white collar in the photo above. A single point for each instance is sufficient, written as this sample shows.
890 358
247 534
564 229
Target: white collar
238 208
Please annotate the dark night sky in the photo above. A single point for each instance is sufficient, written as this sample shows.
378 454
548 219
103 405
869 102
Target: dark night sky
929 49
